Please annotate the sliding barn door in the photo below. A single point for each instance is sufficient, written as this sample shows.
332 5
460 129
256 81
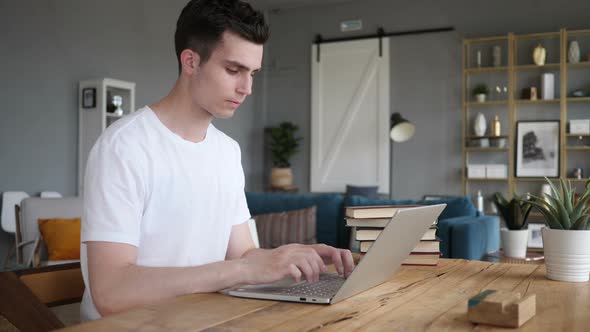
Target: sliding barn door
350 115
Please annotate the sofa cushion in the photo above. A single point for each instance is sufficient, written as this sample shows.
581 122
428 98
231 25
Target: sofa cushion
365 191
62 237
279 228
469 237
456 206
329 209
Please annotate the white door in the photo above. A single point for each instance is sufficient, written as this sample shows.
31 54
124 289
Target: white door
350 115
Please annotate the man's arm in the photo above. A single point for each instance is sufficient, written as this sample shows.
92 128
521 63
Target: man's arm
117 283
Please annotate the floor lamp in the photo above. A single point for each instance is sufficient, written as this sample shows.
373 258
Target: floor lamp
400 131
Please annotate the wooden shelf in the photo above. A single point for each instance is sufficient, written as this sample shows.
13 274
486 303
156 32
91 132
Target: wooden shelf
480 137
572 33
578 99
486 70
577 135
538 101
540 35
584 64
487 179
486 39
577 180
474 149
578 148
534 179
487 103
536 67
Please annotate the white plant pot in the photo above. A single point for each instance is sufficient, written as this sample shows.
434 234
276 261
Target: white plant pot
567 254
514 243
480 97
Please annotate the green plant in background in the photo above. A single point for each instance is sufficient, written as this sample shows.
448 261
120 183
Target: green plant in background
561 210
481 89
283 144
515 212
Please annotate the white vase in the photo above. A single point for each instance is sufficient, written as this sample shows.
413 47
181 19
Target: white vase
567 254
514 242
573 54
480 125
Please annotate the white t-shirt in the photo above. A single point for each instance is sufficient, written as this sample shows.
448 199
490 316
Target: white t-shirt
173 199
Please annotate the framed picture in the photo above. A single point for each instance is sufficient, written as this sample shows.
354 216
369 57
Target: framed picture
88 98
537 148
535 236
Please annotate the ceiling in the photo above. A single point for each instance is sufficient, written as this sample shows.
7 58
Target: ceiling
279 4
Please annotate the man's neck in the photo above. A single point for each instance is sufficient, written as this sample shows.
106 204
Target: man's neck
179 114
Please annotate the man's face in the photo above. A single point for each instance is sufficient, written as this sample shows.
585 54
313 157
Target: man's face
222 83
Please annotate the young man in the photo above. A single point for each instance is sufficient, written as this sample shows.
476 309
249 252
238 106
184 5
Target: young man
165 212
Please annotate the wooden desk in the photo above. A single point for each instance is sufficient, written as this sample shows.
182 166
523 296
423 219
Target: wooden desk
416 299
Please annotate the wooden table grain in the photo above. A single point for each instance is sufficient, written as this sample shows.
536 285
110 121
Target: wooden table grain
417 298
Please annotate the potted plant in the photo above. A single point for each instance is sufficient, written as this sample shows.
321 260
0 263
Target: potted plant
566 240
283 145
515 235
480 92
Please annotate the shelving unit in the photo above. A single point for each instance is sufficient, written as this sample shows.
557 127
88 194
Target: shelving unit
516 72
498 103
93 117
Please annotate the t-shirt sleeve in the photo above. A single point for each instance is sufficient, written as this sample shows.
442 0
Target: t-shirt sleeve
242 213
113 195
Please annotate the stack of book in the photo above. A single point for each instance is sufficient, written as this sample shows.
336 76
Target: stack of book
367 222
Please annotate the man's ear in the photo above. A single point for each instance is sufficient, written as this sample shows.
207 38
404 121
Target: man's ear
190 61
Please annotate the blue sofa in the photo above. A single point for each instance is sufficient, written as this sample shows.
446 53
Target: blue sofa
464 232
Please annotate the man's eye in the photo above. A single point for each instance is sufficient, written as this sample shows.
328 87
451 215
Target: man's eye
231 71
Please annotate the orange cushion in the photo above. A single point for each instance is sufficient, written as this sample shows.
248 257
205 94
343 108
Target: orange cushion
62 237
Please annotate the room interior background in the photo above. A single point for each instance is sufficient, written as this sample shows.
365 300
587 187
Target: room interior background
47 46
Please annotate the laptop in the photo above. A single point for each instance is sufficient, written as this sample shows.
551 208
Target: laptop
382 260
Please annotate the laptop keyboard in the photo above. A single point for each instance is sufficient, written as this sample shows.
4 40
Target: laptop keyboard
326 287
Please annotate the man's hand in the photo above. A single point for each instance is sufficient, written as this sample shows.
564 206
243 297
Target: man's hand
296 260
341 258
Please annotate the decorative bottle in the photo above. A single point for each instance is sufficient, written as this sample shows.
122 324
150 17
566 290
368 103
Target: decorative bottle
496 127
479 201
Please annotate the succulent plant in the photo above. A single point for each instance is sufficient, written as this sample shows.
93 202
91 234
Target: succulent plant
481 89
515 212
561 209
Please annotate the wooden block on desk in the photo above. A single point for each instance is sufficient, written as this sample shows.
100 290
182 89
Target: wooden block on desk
501 308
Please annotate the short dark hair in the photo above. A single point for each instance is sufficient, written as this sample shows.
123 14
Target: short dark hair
202 22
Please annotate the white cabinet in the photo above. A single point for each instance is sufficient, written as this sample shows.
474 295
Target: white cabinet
95 114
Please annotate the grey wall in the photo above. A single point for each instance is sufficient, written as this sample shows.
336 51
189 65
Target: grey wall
425 72
47 46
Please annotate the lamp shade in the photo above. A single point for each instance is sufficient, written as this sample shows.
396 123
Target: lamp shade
401 129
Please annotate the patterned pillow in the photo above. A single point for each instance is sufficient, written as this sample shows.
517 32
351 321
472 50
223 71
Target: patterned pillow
296 226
